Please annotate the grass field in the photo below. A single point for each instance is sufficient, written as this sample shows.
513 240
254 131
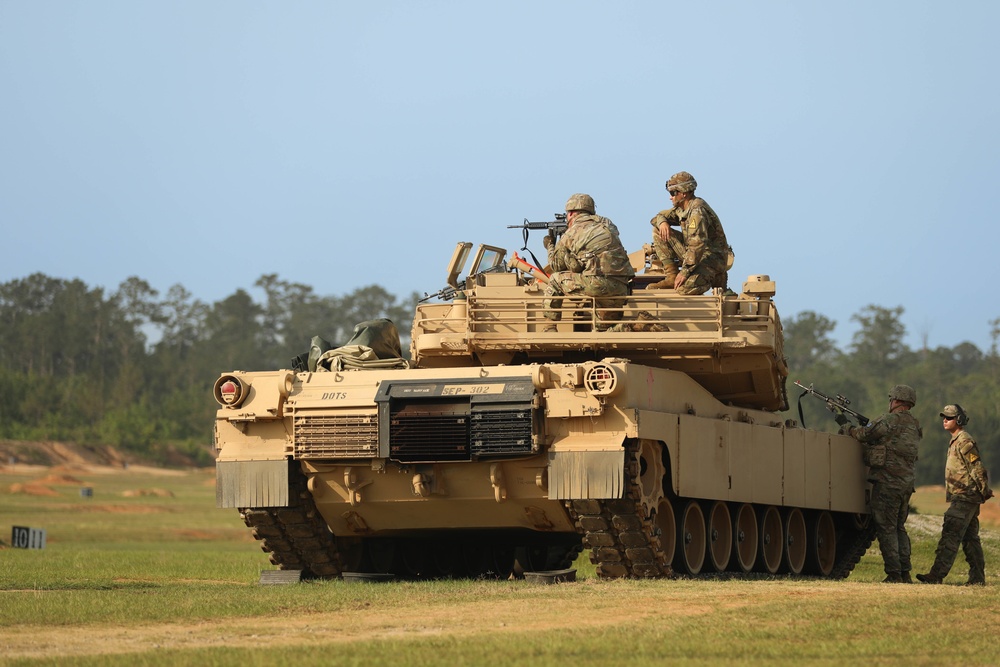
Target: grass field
148 571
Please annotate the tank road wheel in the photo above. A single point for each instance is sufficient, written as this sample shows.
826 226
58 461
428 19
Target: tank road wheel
472 559
691 538
822 544
500 559
769 540
651 472
415 558
444 556
666 528
720 536
795 541
352 553
744 537
383 553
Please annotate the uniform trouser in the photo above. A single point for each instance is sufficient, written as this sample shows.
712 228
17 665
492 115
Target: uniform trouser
712 273
961 526
890 507
567 283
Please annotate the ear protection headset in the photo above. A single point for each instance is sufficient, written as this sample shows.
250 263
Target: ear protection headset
962 419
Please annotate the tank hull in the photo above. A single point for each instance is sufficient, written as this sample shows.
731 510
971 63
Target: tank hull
501 469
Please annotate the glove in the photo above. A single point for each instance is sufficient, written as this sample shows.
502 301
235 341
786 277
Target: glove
841 419
548 242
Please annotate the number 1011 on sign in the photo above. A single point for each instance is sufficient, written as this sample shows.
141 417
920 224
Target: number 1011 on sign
23 537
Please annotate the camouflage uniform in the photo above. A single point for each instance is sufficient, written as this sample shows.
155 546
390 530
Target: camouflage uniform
588 259
891 440
702 252
966 488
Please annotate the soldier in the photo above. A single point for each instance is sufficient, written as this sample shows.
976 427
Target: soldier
966 488
588 259
889 446
696 258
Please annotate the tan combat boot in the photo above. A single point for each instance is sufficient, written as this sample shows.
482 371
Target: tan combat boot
669 276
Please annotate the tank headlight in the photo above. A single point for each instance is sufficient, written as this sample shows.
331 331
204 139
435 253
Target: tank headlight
230 391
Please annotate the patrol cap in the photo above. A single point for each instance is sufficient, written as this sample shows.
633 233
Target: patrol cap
682 182
580 202
904 392
950 411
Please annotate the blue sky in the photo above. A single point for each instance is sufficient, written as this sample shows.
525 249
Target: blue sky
850 148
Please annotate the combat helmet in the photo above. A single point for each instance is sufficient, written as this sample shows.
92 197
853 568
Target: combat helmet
682 182
905 393
580 202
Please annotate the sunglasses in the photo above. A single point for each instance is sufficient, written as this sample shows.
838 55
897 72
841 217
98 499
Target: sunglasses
948 419
673 193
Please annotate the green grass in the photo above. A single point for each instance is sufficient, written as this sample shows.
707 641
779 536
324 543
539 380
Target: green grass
173 580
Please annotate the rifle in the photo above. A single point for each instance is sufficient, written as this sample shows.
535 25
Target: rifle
834 404
555 229
450 292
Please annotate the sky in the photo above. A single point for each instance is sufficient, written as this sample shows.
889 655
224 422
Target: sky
850 149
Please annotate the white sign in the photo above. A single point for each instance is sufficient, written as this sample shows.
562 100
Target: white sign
23 537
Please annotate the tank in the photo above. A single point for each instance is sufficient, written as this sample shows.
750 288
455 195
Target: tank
500 448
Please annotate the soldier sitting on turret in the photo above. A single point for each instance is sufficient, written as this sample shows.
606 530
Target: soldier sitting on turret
696 258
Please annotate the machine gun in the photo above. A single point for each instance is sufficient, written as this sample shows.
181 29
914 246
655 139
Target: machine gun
445 294
835 404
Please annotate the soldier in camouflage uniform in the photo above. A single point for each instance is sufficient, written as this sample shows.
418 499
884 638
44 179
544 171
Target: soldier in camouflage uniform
889 445
966 488
588 259
696 258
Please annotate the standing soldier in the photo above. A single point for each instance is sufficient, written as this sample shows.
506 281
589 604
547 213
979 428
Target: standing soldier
588 259
696 258
890 445
966 488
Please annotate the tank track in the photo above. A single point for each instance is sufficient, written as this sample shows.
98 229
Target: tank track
621 534
296 537
852 551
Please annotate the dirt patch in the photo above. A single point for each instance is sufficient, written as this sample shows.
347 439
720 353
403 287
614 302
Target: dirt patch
33 489
139 493
17 456
118 509
989 512
193 535
60 479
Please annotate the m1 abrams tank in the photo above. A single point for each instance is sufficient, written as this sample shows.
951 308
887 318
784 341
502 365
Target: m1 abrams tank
499 448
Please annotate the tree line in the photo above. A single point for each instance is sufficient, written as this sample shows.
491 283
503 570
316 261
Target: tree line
135 370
